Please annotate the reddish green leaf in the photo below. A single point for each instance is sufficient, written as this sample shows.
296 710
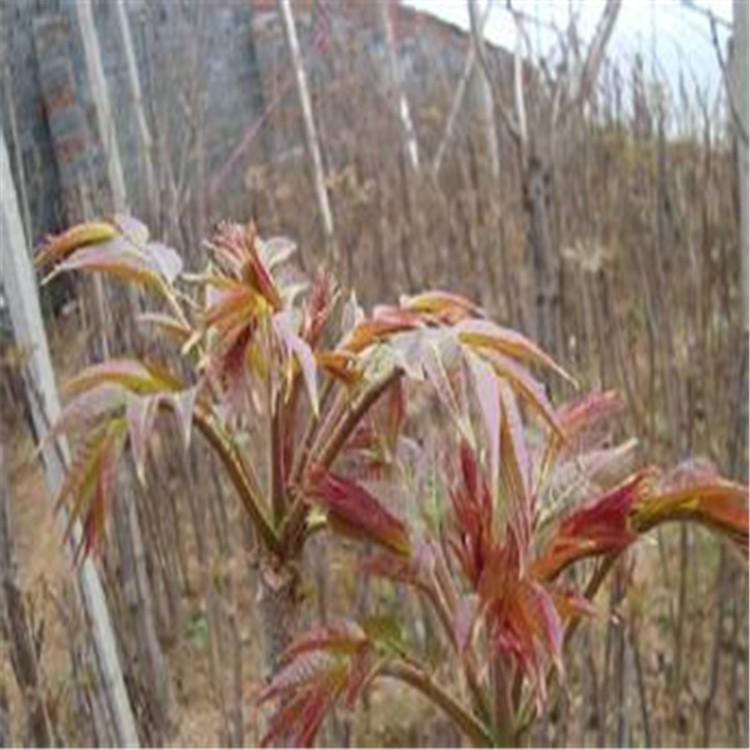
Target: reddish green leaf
167 324
395 568
320 667
59 247
583 413
384 323
601 527
88 407
444 307
140 413
483 335
136 376
341 365
516 470
301 351
531 390
183 407
355 512
487 388
719 505
342 637
88 482
116 257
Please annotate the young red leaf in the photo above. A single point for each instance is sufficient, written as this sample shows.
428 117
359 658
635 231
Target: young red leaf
520 616
87 407
140 412
168 325
385 322
355 512
601 527
443 306
318 309
136 376
472 535
341 365
59 247
342 637
583 413
487 389
300 350
319 667
719 505
531 390
516 471
88 481
483 334
395 568
235 248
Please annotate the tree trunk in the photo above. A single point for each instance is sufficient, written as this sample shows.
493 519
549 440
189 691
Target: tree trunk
536 201
279 601
5 738
739 94
152 674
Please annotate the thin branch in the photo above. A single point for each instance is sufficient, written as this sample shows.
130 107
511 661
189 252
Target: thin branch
450 123
733 108
328 453
422 682
240 475
595 56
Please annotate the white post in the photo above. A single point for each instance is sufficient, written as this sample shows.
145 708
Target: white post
739 100
412 148
309 123
19 283
144 135
98 83
485 94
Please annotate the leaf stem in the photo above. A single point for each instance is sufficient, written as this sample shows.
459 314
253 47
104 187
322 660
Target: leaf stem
423 683
242 479
278 491
598 577
343 431
443 585
300 462
291 526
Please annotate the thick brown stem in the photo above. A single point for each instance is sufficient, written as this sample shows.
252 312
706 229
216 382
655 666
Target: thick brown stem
279 604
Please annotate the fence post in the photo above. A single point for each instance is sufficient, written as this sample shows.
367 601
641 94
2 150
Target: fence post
311 134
